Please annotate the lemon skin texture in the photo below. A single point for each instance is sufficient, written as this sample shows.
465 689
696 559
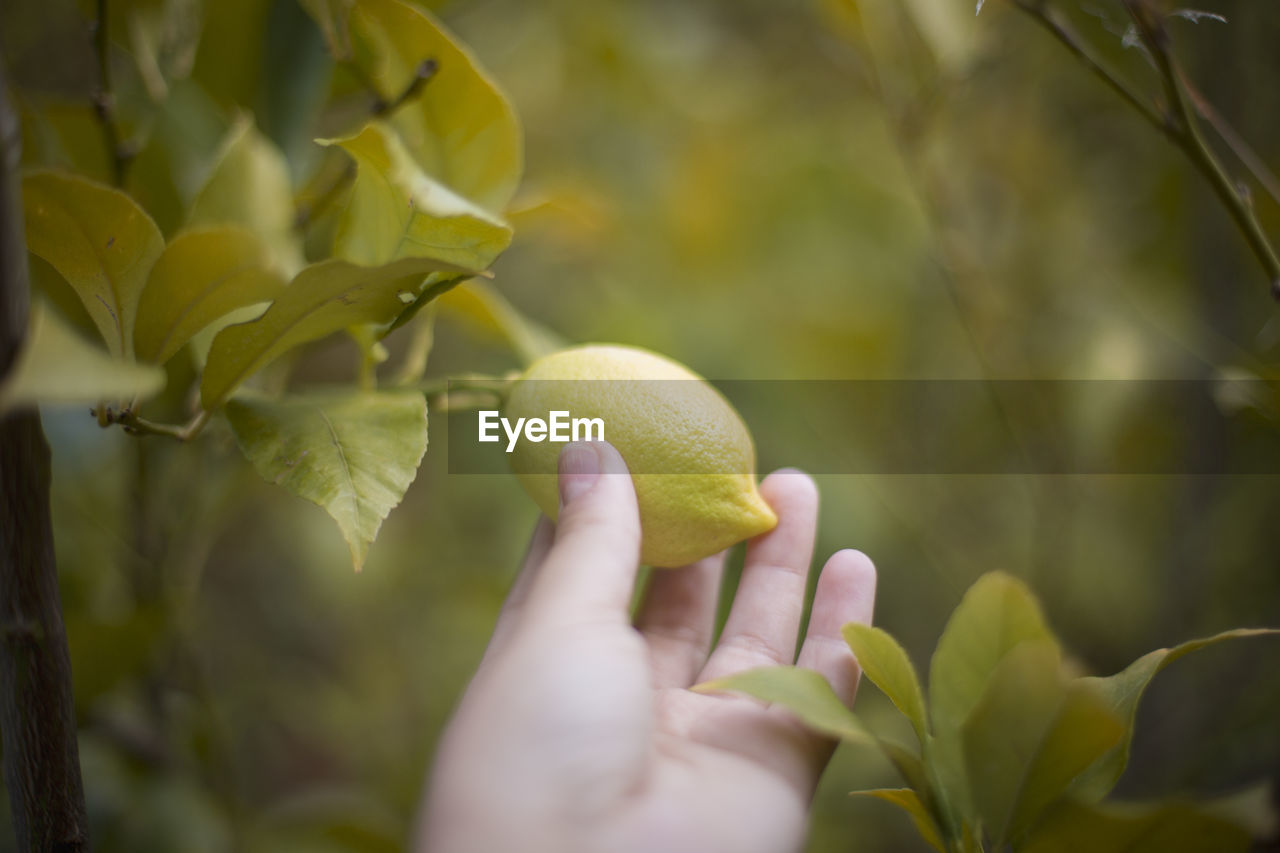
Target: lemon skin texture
692 458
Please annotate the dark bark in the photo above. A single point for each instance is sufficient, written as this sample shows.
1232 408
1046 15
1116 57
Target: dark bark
37 714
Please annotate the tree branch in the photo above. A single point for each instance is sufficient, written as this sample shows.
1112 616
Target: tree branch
37 713
1046 16
1178 122
1243 150
1191 141
104 100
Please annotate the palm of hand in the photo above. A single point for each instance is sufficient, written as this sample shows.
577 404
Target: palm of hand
579 733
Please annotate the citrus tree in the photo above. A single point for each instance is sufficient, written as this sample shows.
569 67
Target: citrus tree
181 260
185 238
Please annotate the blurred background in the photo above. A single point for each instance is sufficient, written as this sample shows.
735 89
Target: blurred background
761 190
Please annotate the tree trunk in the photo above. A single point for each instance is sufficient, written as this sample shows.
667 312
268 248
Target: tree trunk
37 714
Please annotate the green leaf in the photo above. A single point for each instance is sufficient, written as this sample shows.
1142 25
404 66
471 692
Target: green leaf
201 276
1116 828
486 309
249 186
996 615
1124 690
906 799
803 692
1084 729
202 341
886 663
807 694
1029 736
58 366
100 241
324 298
354 455
397 211
1002 735
460 128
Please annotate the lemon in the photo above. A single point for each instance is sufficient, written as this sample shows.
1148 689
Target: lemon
691 457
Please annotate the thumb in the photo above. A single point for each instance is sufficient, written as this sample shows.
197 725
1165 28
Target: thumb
591 567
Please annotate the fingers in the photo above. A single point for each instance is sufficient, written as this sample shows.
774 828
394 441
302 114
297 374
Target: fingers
677 619
770 735
590 569
765 617
846 593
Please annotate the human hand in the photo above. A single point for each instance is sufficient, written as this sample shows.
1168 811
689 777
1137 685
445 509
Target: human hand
579 733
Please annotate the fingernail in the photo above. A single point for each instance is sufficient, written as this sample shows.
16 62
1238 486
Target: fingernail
579 469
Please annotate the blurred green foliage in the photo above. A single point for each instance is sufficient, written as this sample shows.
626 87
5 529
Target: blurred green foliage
760 190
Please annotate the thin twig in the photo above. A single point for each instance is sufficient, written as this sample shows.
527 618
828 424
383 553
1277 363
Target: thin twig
1178 121
364 80
426 69
1189 138
382 108
119 151
383 105
1046 16
1239 146
134 424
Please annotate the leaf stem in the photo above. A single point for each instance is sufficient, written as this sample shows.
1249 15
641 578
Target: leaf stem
103 99
439 388
134 424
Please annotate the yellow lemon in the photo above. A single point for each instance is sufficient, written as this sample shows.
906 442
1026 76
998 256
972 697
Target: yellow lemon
691 457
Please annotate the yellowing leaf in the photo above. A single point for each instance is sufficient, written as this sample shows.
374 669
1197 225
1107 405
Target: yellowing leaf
460 128
201 276
906 799
886 663
354 455
58 366
100 241
1124 690
484 307
323 298
202 340
397 211
250 186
